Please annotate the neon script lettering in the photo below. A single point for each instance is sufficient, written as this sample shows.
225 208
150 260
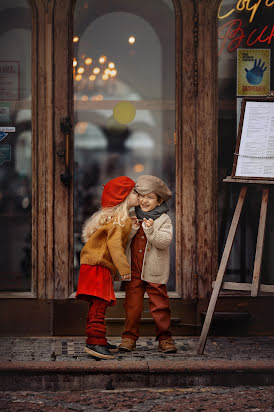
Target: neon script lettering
232 33
245 5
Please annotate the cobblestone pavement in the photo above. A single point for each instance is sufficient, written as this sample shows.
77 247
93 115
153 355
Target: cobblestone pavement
211 399
72 349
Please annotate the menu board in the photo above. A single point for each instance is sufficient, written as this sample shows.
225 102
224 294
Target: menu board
254 155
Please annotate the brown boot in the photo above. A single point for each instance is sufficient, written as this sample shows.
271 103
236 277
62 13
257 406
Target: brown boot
167 345
127 345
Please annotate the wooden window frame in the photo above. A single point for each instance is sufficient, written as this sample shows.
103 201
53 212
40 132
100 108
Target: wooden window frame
38 155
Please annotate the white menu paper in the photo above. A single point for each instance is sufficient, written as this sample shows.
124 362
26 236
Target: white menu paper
256 151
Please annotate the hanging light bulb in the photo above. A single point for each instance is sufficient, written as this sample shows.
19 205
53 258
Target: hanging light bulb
96 70
81 70
111 65
113 73
102 59
131 40
92 77
75 39
74 62
78 77
88 61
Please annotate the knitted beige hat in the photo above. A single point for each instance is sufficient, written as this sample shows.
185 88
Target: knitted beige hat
146 184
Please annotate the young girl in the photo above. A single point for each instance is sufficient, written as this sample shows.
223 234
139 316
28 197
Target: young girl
148 253
105 235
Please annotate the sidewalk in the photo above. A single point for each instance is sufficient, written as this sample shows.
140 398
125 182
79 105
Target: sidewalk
60 363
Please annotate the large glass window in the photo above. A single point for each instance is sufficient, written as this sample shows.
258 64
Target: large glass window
246 57
15 147
124 100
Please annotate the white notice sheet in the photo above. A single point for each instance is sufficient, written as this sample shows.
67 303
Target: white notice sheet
256 151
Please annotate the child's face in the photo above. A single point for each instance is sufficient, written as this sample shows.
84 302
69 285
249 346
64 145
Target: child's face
132 199
149 201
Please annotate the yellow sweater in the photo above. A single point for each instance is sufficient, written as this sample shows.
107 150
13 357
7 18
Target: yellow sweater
106 247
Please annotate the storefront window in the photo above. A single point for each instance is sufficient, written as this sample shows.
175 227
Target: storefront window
124 101
15 146
246 57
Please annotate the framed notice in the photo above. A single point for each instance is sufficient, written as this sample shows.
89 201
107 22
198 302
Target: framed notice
254 154
9 81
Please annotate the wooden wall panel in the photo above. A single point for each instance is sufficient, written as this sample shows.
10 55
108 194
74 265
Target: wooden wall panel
186 207
49 153
207 147
38 149
63 196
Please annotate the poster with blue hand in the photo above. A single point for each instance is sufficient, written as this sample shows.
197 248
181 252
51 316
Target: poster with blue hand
253 72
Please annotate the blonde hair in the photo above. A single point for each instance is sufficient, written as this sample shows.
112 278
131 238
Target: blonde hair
116 214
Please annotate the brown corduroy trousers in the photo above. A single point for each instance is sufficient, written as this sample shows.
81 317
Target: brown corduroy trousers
158 305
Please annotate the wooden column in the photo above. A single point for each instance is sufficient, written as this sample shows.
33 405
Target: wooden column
207 147
63 196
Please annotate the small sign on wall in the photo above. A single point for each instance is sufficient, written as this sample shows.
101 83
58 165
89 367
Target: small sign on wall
9 80
4 112
253 72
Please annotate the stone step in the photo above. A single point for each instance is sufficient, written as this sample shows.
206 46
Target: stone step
113 374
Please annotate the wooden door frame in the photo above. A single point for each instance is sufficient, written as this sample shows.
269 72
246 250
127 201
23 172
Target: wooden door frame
63 106
196 128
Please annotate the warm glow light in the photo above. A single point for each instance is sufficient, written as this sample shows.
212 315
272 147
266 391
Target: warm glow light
99 97
105 76
113 73
131 40
102 59
96 70
75 39
78 77
107 71
88 61
92 77
81 127
74 62
81 70
111 65
139 168
84 98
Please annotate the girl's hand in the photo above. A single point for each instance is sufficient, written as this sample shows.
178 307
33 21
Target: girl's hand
135 222
125 277
148 223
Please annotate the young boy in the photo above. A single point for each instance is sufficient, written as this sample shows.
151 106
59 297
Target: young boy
148 255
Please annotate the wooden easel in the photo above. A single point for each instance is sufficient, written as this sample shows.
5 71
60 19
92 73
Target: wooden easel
255 286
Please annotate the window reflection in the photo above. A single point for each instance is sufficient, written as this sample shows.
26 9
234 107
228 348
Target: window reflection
15 149
240 266
123 53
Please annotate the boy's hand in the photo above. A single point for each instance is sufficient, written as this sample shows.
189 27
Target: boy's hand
148 223
125 277
135 222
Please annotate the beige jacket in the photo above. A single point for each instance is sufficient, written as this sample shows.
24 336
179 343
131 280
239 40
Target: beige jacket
156 258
